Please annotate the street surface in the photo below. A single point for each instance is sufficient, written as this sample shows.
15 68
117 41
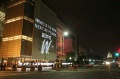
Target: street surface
63 74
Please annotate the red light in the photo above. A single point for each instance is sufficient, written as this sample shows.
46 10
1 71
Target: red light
118 50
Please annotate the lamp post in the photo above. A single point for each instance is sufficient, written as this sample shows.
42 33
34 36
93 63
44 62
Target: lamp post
64 34
73 39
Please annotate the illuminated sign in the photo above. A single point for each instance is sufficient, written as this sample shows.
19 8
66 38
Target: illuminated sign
45 27
45 46
48 33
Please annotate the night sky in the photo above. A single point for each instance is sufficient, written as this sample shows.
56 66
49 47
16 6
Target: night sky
95 21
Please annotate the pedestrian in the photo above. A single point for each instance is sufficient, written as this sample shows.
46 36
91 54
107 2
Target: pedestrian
52 66
74 68
4 65
14 67
40 67
1 65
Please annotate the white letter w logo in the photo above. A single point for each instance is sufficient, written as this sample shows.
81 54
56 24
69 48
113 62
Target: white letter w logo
45 46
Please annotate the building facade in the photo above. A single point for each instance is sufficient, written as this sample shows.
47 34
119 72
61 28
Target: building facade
31 31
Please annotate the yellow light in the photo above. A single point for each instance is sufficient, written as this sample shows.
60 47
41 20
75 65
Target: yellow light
107 63
17 37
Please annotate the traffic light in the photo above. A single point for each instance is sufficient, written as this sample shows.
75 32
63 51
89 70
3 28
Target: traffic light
118 50
116 54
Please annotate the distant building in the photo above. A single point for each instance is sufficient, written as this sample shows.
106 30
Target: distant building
109 55
109 58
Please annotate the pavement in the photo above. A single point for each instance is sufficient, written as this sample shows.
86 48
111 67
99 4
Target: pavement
114 74
53 74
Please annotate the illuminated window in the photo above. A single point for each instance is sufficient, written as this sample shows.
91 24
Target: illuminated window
17 37
17 3
2 16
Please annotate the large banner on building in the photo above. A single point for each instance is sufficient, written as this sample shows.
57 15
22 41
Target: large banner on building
44 33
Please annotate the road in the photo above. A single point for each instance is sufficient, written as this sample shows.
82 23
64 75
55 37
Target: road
63 74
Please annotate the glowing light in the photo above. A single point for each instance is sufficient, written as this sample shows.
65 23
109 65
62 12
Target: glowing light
66 33
17 37
116 54
107 63
2 16
70 58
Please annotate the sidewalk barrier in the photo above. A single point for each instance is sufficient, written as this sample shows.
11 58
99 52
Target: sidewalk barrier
8 69
36 69
19 69
28 69
46 68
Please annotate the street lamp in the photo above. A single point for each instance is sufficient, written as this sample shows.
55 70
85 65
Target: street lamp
70 58
66 33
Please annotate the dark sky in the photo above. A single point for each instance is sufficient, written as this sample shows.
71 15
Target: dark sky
95 21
